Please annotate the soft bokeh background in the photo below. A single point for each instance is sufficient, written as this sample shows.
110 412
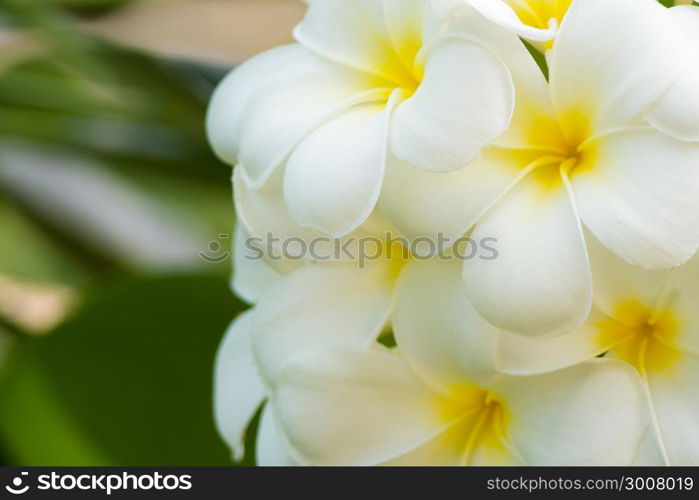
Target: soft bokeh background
115 224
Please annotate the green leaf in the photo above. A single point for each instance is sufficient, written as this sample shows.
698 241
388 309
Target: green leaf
27 252
127 381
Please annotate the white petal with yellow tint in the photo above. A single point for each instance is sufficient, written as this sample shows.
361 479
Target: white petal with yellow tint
675 401
271 447
539 284
590 414
321 304
354 407
637 191
238 389
534 123
444 450
498 12
606 73
616 282
410 25
520 355
464 102
334 177
354 33
421 204
677 113
441 336
263 108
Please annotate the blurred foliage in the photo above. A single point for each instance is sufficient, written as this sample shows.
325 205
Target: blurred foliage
125 381
126 378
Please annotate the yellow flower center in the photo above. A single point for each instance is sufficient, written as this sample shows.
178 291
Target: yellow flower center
642 336
537 13
481 421
404 67
396 56
552 155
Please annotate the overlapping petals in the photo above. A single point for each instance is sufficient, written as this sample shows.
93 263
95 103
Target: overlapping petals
632 186
367 78
577 344
645 319
439 402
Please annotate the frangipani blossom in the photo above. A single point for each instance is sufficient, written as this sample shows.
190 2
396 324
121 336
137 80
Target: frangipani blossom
298 304
535 20
367 78
578 153
439 400
649 319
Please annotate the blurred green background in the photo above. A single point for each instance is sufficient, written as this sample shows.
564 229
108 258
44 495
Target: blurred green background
115 223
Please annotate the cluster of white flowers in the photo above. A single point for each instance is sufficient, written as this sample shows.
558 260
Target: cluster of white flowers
578 344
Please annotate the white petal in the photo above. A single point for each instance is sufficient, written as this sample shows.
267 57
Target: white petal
333 179
440 335
590 414
649 453
271 445
349 407
532 95
611 61
683 299
445 450
410 25
498 12
539 284
228 103
356 34
251 274
675 402
465 101
677 113
238 389
638 192
520 355
321 304
263 214
421 204
263 109
616 282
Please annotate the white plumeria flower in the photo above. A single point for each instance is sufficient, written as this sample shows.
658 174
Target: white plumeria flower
535 20
440 402
367 78
650 319
294 301
578 152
